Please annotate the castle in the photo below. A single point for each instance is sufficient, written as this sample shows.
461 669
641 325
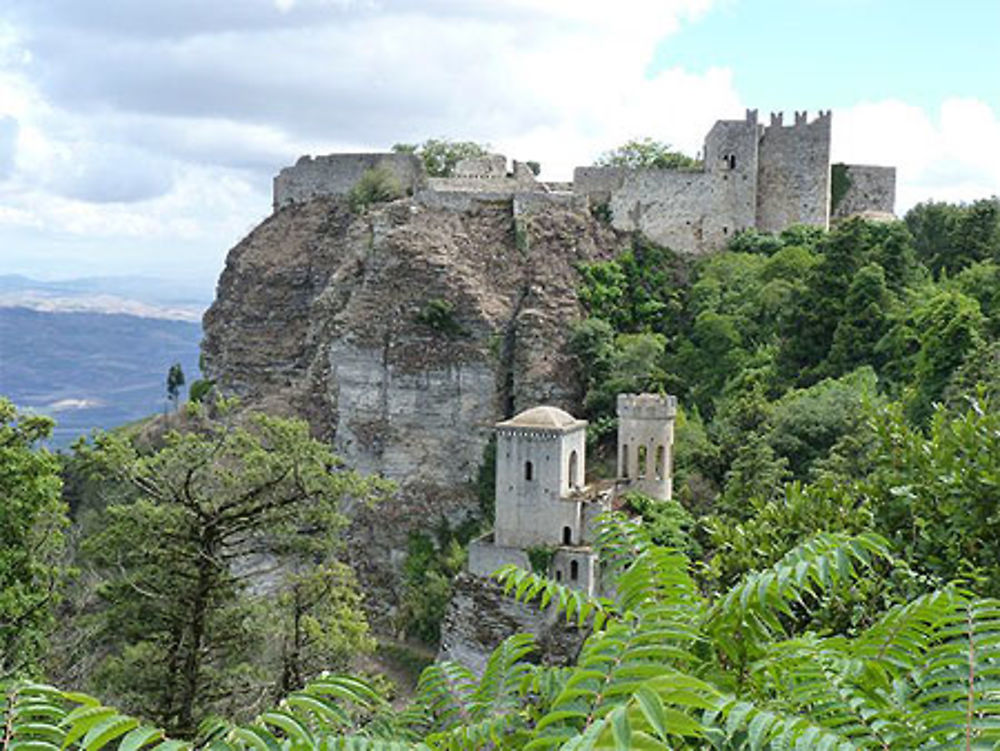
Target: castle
542 500
766 177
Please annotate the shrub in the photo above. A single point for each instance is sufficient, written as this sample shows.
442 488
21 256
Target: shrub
376 185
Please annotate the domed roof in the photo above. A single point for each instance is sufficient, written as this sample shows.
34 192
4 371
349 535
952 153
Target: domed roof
544 418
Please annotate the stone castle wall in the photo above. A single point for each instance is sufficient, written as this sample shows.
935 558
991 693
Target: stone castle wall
754 176
336 174
794 176
869 188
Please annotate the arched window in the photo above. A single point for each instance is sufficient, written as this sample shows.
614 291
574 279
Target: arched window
661 462
573 469
640 471
574 570
528 471
567 536
558 575
624 460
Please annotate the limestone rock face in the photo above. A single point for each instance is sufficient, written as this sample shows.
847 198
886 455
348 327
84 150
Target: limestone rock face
402 334
480 616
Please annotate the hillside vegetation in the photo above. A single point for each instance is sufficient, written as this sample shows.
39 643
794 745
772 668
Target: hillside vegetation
825 579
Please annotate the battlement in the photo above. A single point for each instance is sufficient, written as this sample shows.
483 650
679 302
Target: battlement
647 406
801 119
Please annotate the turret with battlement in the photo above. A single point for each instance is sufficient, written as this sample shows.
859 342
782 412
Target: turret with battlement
646 443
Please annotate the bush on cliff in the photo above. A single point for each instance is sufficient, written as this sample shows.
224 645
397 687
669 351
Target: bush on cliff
376 185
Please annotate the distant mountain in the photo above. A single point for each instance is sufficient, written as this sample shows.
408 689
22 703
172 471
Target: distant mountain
131 295
91 370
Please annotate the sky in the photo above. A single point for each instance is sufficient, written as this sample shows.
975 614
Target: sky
142 137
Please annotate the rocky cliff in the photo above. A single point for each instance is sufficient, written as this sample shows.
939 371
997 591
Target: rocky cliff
402 334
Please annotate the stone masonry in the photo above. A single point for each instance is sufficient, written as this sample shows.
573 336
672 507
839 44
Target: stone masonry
765 177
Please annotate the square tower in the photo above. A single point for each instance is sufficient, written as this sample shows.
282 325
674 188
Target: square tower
539 470
646 443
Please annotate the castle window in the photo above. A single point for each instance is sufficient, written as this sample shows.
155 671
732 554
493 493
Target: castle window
558 575
660 462
625 460
640 470
574 460
567 536
732 161
528 471
725 230
574 570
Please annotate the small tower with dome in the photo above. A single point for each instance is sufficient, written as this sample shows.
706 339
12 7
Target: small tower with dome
539 473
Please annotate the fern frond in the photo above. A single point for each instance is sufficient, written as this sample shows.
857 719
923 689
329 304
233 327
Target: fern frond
503 731
446 689
498 688
745 725
658 581
818 678
958 699
753 608
900 639
579 607
37 717
619 540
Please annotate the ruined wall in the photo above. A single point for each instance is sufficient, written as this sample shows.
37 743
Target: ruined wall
485 556
598 183
793 185
869 188
336 174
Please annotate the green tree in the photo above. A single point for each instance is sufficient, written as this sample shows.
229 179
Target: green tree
934 492
175 379
646 153
865 321
950 237
440 155
32 520
210 510
950 327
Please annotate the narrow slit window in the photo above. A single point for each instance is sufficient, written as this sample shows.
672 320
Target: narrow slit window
573 469
529 471
625 460
661 462
640 470
574 570
567 536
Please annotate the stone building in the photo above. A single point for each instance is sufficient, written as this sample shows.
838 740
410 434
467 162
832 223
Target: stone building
765 177
542 499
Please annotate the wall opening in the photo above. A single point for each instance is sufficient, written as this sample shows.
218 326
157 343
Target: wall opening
574 462
574 570
661 462
529 471
624 460
558 575
640 470
567 536
732 161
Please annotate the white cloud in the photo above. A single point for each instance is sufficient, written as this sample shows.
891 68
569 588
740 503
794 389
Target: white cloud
950 157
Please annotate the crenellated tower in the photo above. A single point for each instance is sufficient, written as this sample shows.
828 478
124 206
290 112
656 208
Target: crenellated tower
646 443
793 177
